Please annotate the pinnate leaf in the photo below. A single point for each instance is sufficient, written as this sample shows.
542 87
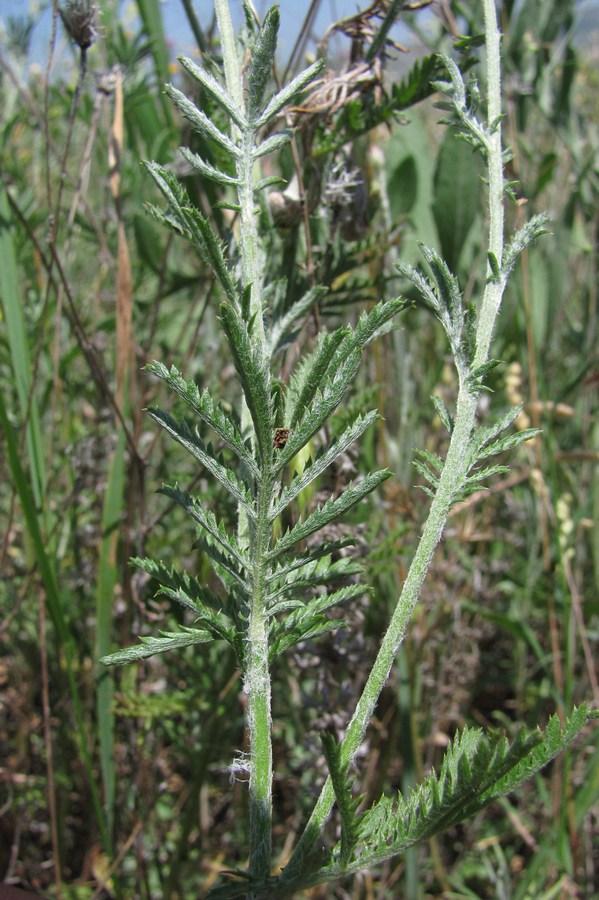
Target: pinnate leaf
324 459
150 646
208 410
181 432
254 376
328 512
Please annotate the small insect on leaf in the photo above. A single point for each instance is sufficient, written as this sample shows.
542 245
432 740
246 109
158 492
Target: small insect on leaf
281 437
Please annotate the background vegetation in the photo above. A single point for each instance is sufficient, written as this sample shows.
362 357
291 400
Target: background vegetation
117 785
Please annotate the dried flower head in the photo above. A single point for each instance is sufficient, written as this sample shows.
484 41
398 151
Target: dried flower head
79 19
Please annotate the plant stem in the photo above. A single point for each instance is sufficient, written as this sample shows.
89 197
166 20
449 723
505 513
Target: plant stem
494 289
251 269
251 264
454 470
258 689
257 675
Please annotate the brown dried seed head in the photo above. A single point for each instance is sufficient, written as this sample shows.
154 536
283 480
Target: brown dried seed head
79 19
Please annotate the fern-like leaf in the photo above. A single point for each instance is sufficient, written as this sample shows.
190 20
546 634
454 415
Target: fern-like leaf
309 629
208 410
324 459
185 589
443 413
304 560
215 89
189 221
262 55
463 102
324 403
181 432
476 770
529 232
201 123
283 328
328 512
316 573
150 646
289 92
206 519
207 170
310 374
254 377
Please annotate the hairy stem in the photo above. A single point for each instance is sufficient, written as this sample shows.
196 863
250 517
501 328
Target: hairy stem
494 289
251 269
257 675
452 477
258 689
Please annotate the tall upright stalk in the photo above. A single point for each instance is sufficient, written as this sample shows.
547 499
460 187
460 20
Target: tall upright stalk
257 675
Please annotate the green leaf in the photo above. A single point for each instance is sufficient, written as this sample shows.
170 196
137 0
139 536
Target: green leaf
495 267
150 646
306 559
181 432
268 182
216 90
254 377
231 576
323 460
201 123
443 413
474 481
185 218
476 770
462 99
533 229
207 170
262 56
208 410
190 593
447 288
507 443
476 376
418 83
316 573
272 144
323 404
213 249
187 591
426 294
310 373
206 519
374 323
427 474
328 512
322 602
308 630
290 92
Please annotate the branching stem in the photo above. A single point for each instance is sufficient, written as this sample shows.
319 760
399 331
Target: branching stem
454 469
